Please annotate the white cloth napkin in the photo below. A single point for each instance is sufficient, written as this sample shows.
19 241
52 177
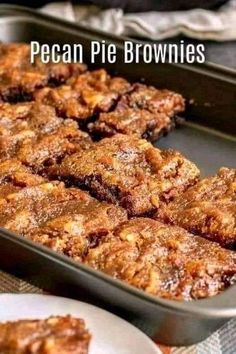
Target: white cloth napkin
217 25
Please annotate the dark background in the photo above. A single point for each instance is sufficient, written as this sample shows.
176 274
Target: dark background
136 5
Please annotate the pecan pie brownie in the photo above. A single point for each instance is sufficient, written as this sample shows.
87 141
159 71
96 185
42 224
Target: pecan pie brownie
19 77
84 95
24 122
207 209
164 260
54 335
144 111
14 176
81 226
62 216
49 149
36 135
130 172
29 207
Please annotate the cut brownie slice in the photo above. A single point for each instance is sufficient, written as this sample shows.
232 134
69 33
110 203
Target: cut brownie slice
165 261
30 207
130 121
19 77
41 118
49 149
154 100
14 176
207 209
54 335
64 215
24 122
145 111
13 55
80 227
59 73
84 95
129 171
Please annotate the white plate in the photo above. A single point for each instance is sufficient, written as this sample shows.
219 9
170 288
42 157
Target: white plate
110 334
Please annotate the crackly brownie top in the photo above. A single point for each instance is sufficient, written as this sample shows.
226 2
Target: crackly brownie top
54 335
80 226
143 110
208 208
31 207
24 122
154 100
130 121
85 94
14 176
19 77
159 259
130 171
13 55
34 116
49 149
13 171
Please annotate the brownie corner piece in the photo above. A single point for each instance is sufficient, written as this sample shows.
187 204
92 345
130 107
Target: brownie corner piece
154 100
207 209
19 78
15 175
130 121
158 259
53 335
80 226
49 149
143 110
84 96
130 172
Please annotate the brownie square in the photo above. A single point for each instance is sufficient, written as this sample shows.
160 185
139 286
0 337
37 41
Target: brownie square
130 172
61 218
154 100
24 122
80 226
165 261
49 149
29 207
144 111
54 335
84 95
207 209
14 177
19 78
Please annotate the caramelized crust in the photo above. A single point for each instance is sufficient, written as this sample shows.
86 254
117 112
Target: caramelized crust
131 121
12 56
50 149
24 122
207 209
165 261
84 95
30 207
130 172
54 335
154 100
144 111
36 135
19 78
14 176
64 217
80 227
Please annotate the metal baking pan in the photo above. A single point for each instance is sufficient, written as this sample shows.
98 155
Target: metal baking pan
208 138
